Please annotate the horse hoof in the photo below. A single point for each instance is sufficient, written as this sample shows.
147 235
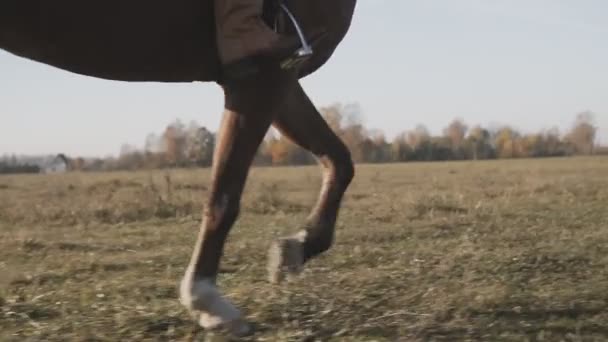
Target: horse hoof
237 327
285 259
214 312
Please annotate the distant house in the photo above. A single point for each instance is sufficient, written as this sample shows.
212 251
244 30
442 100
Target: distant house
59 164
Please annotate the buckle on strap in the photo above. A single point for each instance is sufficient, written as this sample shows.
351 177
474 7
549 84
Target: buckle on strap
305 51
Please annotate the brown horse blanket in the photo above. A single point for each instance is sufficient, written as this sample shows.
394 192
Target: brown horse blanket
142 40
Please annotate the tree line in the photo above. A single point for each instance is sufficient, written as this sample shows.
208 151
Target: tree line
192 145
458 141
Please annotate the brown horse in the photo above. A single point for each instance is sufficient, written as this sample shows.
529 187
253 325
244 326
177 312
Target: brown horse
162 41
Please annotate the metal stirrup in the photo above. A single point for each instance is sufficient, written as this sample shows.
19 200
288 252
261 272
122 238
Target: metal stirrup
303 52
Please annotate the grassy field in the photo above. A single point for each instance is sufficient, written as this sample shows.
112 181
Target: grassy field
489 251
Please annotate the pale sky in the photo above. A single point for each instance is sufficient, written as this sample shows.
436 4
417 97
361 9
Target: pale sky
532 64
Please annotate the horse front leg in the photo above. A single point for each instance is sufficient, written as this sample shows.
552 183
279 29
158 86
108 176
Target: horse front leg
250 107
302 123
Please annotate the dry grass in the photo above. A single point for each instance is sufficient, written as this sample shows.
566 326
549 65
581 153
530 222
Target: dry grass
491 251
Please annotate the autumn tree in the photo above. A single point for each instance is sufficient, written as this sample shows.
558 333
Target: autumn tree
174 143
77 164
280 150
380 150
582 134
456 132
129 158
554 146
400 149
506 142
199 145
419 139
479 144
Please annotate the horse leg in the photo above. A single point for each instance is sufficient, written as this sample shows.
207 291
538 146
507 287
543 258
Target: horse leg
301 122
250 107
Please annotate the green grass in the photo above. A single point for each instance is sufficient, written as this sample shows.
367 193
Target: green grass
490 251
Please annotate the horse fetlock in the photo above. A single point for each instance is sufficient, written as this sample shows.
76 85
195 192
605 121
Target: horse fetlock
286 258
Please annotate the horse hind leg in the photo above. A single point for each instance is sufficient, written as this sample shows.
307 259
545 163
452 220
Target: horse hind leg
250 107
301 122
